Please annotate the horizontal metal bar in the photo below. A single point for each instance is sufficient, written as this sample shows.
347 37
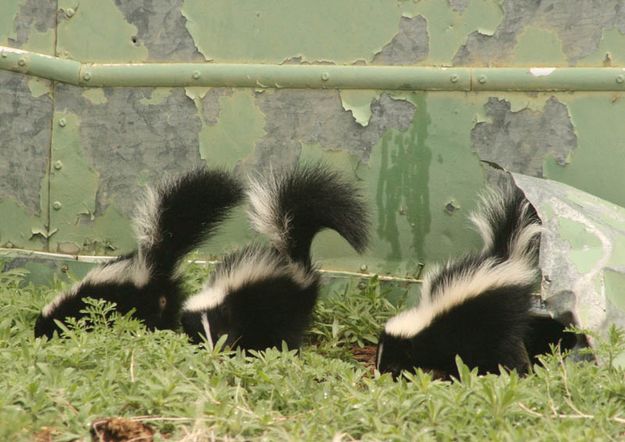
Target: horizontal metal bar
313 76
33 255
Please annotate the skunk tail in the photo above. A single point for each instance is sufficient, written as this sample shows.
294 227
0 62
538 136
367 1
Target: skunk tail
177 215
292 207
508 224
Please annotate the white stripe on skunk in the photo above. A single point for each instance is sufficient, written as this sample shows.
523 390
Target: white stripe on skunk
262 296
476 306
171 220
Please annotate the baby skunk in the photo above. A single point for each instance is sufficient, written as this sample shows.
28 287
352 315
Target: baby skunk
262 295
477 306
171 221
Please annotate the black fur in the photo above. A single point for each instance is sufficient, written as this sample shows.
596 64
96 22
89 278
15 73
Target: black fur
489 329
277 305
185 211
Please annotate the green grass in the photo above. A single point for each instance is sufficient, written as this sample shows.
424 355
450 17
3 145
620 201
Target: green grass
191 393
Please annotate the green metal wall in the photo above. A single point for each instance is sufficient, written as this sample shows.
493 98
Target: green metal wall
73 159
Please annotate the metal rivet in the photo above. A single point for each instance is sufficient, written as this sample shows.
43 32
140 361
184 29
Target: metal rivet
620 78
21 62
482 79
196 75
70 12
454 78
86 76
62 122
402 210
58 165
364 268
325 76
57 205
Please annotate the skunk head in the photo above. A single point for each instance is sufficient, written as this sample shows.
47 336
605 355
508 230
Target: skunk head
128 283
257 297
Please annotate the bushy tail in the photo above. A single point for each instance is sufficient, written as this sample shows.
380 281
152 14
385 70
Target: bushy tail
508 224
293 206
177 215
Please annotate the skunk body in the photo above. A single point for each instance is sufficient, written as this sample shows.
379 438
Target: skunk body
172 220
477 306
262 295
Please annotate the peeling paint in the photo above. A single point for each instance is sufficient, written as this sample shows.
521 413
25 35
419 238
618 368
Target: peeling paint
7 18
576 29
409 46
97 31
271 32
317 117
128 143
34 26
519 141
24 142
597 162
39 87
95 95
532 37
610 52
157 96
585 249
226 142
358 102
448 28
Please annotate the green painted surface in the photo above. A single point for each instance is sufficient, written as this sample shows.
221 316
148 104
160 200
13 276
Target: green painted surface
95 96
275 30
611 50
615 288
448 29
228 142
358 102
96 31
598 163
39 87
586 248
7 18
17 227
550 54
158 96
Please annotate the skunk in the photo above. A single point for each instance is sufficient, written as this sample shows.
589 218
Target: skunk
262 295
476 306
172 220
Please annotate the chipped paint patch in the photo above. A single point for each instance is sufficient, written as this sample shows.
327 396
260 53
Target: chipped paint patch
227 142
449 27
409 46
585 249
157 96
73 183
598 120
7 18
39 86
519 141
97 31
161 29
95 95
25 128
271 32
358 102
16 227
610 51
541 72
550 53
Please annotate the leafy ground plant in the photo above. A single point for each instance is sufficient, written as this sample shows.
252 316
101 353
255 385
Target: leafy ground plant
56 390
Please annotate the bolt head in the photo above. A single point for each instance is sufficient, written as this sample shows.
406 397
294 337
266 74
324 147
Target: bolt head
482 79
325 76
62 122
57 205
58 165
364 268
86 76
21 62
454 78
196 75
620 79
69 12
